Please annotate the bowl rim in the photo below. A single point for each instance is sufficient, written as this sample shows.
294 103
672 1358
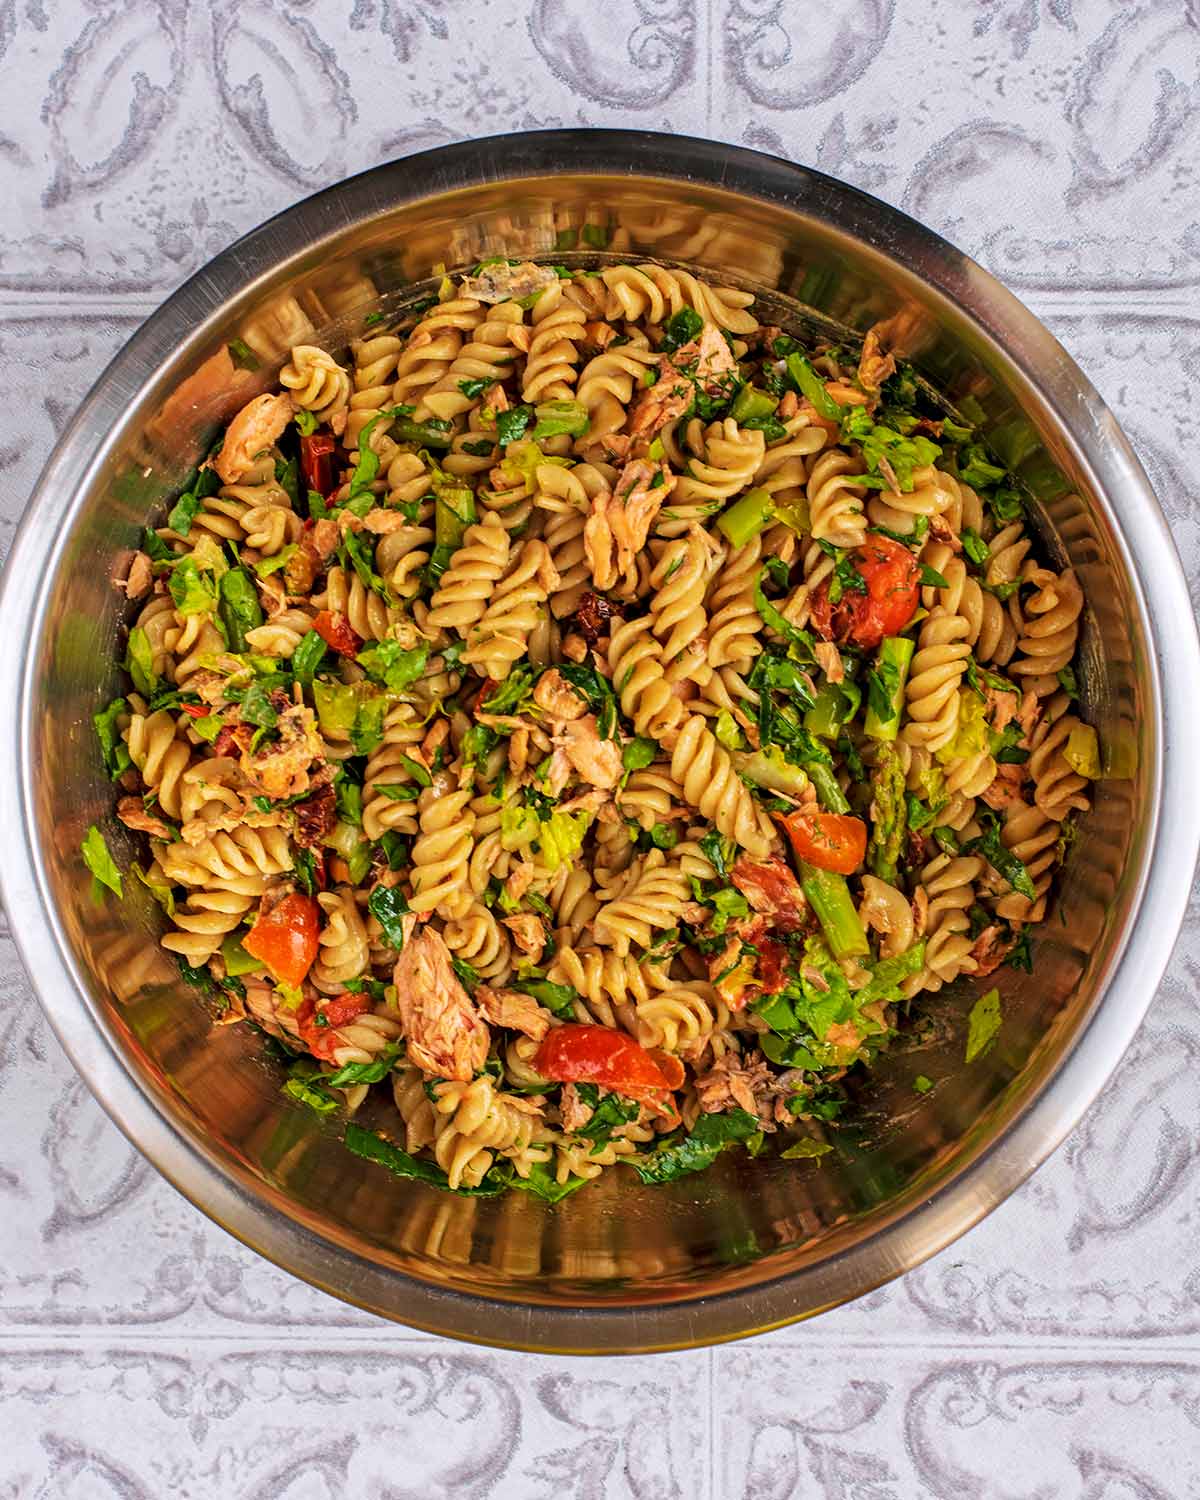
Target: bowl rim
1169 856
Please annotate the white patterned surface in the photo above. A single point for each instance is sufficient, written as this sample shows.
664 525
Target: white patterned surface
1055 1351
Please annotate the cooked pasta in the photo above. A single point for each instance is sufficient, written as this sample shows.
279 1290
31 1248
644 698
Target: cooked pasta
591 715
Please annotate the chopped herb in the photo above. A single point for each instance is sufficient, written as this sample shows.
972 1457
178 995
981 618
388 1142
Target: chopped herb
512 424
112 747
417 770
681 328
308 656
983 1024
400 792
304 867
473 388
374 1071
608 1112
387 905
511 695
359 549
205 482
156 549
239 607
101 863
242 355
680 1154
1020 955
365 1143
1002 860
720 852
845 578
559 998
257 707
946 839
597 692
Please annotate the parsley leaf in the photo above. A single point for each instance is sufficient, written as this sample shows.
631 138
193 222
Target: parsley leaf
681 1154
1002 860
681 328
512 424
387 905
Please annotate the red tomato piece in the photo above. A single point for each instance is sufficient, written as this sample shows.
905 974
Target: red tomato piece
892 577
316 463
319 1022
196 710
597 1054
285 939
337 633
670 1067
831 841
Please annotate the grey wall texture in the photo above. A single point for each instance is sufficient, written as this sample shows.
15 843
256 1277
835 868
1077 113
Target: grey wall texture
1055 1351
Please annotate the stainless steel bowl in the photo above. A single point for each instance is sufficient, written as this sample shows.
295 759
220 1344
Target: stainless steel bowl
618 1267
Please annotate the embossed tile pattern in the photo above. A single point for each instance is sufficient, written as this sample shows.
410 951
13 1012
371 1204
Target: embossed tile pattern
1055 1351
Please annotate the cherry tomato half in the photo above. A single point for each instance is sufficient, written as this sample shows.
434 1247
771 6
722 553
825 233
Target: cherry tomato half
336 632
285 939
318 1022
831 841
316 463
597 1054
892 577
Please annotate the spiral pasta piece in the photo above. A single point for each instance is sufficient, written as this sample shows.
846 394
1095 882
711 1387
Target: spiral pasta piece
442 852
317 382
932 692
486 357
552 359
1049 631
835 506
502 635
432 348
726 460
640 681
705 772
343 950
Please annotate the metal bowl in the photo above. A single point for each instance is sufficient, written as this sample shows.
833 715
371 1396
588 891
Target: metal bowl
753 1243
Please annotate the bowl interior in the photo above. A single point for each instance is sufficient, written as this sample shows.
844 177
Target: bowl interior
358 251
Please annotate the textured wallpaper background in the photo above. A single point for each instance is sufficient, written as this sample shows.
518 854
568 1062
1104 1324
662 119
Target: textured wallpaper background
1055 1351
